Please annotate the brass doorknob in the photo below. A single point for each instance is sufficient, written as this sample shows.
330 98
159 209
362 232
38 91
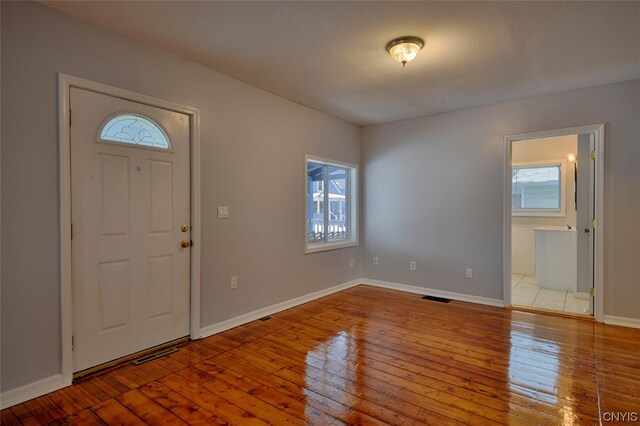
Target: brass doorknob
184 228
185 243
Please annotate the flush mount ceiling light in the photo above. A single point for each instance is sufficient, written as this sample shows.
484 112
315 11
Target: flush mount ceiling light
404 49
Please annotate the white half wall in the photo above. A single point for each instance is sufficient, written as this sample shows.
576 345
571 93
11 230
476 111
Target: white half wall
523 249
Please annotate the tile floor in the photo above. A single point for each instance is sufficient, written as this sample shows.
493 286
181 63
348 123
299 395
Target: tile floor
525 291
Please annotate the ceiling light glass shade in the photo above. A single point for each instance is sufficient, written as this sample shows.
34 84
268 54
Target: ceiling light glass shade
404 49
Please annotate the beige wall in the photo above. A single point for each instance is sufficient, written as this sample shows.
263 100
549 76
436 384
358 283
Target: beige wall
253 147
434 191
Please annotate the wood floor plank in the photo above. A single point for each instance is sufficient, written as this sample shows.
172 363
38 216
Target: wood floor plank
105 387
369 356
44 410
24 415
82 418
114 413
252 404
8 418
187 410
189 387
148 410
293 390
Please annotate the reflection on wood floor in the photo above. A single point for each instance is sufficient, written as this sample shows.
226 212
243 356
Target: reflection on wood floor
370 356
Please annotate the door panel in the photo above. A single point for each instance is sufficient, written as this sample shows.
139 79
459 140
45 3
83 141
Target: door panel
115 294
161 180
130 274
114 202
159 286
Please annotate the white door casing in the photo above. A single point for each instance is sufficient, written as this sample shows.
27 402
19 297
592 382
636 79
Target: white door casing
597 132
585 178
130 274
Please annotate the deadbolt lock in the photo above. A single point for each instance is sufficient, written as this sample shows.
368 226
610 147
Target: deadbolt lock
185 243
184 228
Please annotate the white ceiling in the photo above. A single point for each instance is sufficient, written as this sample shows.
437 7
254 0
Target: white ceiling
330 55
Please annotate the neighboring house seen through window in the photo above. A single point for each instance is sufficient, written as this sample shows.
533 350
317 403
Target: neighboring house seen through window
331 205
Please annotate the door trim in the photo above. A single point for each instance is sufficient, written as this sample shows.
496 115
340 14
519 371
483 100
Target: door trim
598 130
65 82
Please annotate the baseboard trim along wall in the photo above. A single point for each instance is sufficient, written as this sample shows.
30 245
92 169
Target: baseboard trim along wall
623 321
270 310
31 390
434 292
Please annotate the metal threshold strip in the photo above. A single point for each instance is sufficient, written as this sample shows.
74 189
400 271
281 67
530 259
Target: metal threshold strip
137 358
155 355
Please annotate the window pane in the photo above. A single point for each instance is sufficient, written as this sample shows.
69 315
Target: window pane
330 198
536 188
135 130
338 206
315 202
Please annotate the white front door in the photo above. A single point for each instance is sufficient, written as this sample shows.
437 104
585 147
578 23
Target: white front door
130 168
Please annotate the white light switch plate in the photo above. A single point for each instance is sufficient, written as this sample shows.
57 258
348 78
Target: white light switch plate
223 212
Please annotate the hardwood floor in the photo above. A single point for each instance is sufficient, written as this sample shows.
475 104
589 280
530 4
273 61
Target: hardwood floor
369 356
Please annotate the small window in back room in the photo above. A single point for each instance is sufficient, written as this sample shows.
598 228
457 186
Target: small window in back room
536 189
331 205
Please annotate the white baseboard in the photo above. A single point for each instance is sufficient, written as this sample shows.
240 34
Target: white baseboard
31 390
623 321
433 292
270 310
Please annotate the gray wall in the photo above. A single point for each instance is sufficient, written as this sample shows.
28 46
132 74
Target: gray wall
433 191
253 146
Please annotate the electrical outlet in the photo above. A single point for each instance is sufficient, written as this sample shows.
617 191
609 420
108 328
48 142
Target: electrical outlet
469 273
376 261
234 282
412 265
352 262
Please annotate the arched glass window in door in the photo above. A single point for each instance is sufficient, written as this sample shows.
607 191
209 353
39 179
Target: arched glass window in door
134 129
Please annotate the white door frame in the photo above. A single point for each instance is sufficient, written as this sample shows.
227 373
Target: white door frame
598 131
65 82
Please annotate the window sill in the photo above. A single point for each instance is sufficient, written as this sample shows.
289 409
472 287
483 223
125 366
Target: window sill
538 214
318 247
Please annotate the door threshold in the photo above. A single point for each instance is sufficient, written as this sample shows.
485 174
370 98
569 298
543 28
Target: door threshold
574 315
127 358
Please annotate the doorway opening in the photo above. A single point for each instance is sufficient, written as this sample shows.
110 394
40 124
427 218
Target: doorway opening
553 231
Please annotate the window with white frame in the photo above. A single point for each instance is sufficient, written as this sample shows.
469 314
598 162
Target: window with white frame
331 201
537 189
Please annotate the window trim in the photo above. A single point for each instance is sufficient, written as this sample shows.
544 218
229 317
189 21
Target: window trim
562 163
353 201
